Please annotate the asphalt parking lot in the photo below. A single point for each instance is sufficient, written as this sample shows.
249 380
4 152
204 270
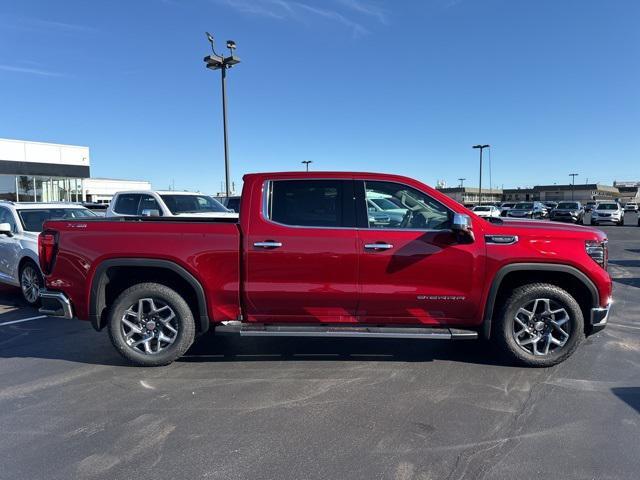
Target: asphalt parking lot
321 409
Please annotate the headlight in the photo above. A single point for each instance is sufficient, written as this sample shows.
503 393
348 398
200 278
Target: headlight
598 251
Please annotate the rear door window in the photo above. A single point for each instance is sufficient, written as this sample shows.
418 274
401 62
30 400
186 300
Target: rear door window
127 203
311 203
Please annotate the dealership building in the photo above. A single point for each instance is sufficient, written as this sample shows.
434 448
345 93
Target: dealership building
50 172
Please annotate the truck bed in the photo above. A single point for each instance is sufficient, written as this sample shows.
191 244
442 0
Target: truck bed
207 248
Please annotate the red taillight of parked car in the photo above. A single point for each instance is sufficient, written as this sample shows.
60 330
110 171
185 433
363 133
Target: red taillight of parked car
47 247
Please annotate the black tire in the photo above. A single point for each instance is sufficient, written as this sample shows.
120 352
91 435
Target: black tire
183 322
29 270
593 224
503 332
620 223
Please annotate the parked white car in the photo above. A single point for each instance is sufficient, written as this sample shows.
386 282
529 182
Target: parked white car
20 224
486 211
148 203
607 212
631 207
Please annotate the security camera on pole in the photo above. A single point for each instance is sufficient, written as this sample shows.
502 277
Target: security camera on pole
219 62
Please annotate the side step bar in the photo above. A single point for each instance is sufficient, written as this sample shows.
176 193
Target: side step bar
347 331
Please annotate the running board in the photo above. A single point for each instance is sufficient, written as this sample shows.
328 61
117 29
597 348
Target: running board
347 331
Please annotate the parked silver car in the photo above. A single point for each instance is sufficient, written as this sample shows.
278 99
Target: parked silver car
605 212
20 224
528 210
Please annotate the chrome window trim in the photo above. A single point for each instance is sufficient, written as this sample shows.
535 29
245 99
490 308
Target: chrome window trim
266 190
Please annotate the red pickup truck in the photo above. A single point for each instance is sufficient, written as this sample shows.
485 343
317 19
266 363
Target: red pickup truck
331 254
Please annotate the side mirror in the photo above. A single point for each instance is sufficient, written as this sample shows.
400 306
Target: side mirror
461 225
5 229
150 212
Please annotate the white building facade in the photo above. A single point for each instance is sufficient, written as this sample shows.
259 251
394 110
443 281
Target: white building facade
51 172
42 172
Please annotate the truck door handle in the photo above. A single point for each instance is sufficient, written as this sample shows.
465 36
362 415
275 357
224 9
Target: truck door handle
378 246
268 244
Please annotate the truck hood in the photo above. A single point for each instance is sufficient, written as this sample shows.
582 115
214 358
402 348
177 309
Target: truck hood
534 225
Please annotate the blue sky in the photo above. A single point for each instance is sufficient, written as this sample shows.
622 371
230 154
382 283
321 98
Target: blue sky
392 86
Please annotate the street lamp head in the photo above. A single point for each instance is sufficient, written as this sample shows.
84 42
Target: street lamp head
231 45
214 62
212 42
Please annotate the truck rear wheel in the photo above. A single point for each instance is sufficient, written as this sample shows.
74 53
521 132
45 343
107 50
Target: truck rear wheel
151 325
540 325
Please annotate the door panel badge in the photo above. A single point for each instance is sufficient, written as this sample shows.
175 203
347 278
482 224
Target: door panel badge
446 298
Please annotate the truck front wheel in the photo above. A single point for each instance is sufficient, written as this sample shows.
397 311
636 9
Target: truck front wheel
540 325
151 325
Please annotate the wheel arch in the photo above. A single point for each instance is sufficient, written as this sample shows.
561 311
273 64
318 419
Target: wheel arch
576 282
130 271
27 256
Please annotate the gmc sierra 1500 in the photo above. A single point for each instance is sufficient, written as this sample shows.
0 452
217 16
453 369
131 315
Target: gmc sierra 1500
310 257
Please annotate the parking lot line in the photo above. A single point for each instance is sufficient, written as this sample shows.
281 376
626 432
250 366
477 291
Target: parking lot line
23 320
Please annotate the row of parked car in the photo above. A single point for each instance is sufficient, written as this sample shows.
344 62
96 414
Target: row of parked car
21 223
569 211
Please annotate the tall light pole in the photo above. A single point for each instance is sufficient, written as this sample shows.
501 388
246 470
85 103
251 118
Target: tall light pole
481 147
462 182
222 63
573 182
306 163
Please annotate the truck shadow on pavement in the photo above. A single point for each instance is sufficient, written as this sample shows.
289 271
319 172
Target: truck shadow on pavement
631 282
625 263
630 395
227 348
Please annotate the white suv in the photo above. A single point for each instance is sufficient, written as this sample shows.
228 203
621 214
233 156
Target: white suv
20 224
607 212
148 203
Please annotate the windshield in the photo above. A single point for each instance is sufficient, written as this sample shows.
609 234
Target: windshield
481 209
507 205
568 206
523 206
32 219
178 204
607 206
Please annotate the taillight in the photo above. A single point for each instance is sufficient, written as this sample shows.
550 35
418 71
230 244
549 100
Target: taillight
47 247
599 251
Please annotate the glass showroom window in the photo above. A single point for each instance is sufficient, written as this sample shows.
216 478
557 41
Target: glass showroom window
8 187
25 189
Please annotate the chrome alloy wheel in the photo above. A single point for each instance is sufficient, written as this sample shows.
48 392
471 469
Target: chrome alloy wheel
30 283
149 326
541 327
